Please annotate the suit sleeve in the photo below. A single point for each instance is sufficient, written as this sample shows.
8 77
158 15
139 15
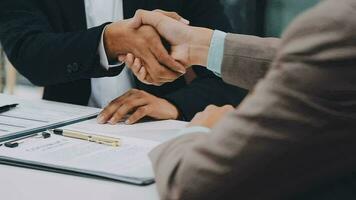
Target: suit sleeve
42 55
294 132
247 59
207 88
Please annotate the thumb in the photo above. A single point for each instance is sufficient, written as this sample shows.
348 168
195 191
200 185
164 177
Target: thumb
181 53
136 21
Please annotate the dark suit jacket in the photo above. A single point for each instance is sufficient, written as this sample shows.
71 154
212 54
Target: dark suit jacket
48 42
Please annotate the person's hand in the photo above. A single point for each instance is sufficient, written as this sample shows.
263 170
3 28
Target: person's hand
137 104
211 116
189 45
145 43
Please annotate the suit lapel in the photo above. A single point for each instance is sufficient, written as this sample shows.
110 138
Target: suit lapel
130 7
74 12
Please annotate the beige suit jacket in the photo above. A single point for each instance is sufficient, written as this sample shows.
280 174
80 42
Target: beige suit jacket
296 130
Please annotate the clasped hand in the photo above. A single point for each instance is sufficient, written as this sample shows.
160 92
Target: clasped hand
137 42
144 53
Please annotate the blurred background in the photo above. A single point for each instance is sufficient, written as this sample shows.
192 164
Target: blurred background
255 17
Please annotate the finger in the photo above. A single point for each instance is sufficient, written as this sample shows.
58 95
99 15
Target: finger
154 69
129 59
144 17
211 107
110 109
173 15
180 53
158 73
136 66
107 113
228 107
140 113
128 106
146 78
142 74
122 58
197 116
164 58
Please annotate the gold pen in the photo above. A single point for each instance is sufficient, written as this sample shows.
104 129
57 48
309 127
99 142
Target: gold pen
111 141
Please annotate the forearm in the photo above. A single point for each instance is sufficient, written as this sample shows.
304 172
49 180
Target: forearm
240 60
246 59
44 56
251 147
48 58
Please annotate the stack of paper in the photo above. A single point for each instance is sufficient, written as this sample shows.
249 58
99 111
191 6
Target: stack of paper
127 163
31 116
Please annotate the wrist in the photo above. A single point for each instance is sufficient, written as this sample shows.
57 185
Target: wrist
200 36
199 45
198 55
113 45
172 111
108 42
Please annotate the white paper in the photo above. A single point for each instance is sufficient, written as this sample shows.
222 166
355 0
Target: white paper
157 131
129 160
29 115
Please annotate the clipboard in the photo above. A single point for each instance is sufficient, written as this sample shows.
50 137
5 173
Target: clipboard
142 137
123 179
134 155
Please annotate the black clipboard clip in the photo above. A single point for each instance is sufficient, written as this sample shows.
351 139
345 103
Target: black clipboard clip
15 143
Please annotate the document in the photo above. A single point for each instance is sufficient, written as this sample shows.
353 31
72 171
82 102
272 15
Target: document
128 163
159 131
30 116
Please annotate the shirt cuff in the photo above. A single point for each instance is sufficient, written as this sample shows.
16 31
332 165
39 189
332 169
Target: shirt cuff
104 61
216 52
194 129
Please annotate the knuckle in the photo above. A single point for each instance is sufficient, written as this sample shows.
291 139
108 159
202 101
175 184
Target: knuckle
141 92
134 90
119 114
210 107
116 115
103 114
228 107
139 11
142 110
112 103
128 104
162 71
175 15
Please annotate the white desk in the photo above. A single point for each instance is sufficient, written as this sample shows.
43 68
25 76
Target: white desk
26 184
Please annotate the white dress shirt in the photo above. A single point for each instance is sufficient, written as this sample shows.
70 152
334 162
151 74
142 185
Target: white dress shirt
104 90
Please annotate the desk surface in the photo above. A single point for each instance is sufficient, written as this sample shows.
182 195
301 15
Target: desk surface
20 184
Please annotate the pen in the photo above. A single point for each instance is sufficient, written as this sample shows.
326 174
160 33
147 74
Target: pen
111 141
7 107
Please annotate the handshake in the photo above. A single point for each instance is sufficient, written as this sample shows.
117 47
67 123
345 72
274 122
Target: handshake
137 42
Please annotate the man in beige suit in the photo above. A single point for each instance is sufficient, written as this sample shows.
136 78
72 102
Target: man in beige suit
296 130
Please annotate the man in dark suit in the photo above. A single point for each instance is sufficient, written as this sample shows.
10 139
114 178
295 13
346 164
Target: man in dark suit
56 44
